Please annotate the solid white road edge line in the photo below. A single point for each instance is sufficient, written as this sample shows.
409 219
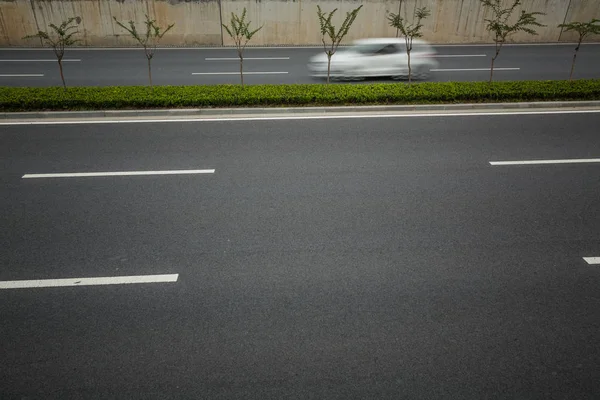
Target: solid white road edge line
121 173
245 58
237 73
592 260
48 60
538 162
112 280
20 75
296 117
471 69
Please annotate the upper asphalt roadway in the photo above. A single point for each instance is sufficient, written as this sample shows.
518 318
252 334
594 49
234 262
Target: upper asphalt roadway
177 66
348 258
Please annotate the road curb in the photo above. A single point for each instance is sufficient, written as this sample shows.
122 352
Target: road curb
205 112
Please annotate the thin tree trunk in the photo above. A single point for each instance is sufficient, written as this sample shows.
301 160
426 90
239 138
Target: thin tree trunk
573 63
399 10
62 76
150 71
492 68
328 67
242 70
409 69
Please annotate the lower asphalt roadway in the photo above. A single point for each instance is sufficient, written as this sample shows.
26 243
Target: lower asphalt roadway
349 258
177 66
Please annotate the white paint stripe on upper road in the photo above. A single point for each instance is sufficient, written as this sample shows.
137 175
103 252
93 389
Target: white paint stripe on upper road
20 75
40 60
537 162
121 173
237 73
296 117
592 260
245 58
455 55
113 280
471 69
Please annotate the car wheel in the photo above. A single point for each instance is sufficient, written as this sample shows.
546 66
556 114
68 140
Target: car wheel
352 75
422 72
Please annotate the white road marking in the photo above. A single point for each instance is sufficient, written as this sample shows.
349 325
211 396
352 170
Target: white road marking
237 73
538 162
120 173
471 69
592 260
112 280
39 60
245 58
457 55
20 75
295 117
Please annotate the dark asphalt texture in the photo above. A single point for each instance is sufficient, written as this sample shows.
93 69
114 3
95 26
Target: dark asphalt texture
175 66
324 259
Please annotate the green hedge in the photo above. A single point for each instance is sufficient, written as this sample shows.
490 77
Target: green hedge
125 97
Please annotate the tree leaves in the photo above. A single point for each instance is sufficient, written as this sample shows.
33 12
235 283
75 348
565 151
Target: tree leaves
61 37
239 30
328 29
150 38
499 26
409 30
583 29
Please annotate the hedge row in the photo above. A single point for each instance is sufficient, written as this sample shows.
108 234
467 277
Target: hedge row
127 97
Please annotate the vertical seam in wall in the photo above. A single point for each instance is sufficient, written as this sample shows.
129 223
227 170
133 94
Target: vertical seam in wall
564 20
37 25
221 21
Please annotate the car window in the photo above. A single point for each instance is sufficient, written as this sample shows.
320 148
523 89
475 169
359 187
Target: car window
388 49
367 49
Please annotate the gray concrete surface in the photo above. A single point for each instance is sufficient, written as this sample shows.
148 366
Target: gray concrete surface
284 22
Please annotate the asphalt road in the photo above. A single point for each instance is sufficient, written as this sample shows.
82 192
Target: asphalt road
275 65
328 259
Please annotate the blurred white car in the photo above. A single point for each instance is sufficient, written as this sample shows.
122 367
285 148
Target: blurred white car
381 57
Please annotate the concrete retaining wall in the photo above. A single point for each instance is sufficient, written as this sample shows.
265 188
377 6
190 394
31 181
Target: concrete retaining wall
285 22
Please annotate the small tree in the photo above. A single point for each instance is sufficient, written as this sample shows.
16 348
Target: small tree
59 40
409 30
498 25
148 40
328 29
241 34
583 29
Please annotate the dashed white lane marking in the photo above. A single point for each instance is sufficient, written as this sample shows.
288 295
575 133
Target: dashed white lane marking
20 75
245 58
592 260
112 280
535 162
237 73
119 173
471 69
40 60
457 55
